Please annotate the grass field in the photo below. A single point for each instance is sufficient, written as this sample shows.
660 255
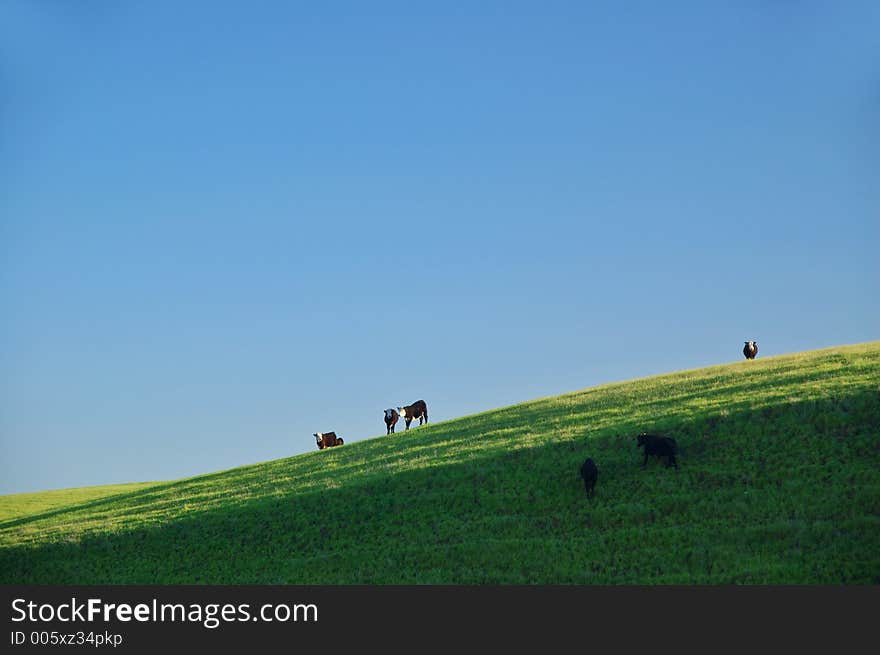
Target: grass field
779 482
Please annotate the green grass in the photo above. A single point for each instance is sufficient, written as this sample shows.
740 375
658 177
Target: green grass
779 482
17 506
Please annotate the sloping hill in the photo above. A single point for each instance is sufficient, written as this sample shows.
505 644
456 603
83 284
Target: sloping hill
779 482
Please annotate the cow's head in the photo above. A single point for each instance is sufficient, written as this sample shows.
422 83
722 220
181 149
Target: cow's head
319 437
641 440
389 414
402 411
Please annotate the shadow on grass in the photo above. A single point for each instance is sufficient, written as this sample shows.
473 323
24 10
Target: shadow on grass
511 513
659 403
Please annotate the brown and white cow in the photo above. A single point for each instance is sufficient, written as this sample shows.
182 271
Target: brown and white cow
418 410
327 439
391 417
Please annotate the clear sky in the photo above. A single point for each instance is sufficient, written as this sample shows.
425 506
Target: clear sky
227 225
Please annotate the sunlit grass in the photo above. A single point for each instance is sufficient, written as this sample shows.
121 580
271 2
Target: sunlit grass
30 504
779 482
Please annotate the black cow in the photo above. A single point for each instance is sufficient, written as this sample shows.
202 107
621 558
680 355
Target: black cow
327 440
391 417
590 474
750 350
659 446
417 410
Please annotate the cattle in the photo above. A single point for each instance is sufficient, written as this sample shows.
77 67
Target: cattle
590 474
418 410
659 446
327 440
391 417
750 350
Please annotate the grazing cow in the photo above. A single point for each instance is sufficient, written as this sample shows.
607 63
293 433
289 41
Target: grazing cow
590 474
417 410
391 417
327 439
750 350
659 446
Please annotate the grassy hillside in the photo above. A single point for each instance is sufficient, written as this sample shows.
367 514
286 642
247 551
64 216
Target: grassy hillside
17 506
779 483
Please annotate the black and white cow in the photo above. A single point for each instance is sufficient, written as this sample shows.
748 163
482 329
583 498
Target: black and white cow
391 417
418 410
750 350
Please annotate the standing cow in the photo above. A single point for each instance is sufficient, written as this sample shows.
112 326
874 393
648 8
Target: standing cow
590 473
750 350
418 410
391 417
659 446
327 440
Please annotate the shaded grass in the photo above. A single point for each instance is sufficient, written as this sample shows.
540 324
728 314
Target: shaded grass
778 483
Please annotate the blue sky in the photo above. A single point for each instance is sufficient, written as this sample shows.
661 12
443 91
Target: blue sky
225 226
